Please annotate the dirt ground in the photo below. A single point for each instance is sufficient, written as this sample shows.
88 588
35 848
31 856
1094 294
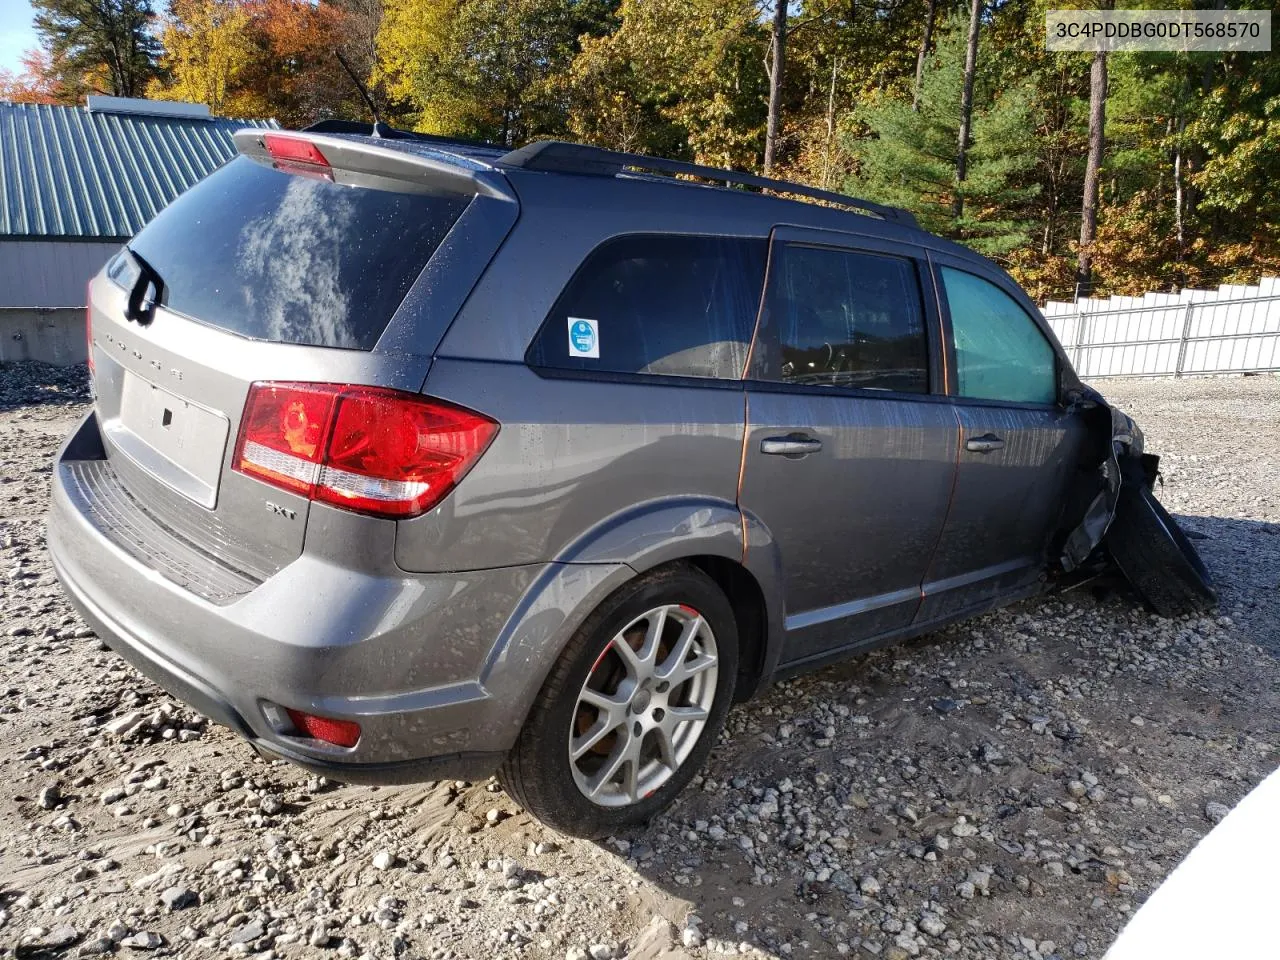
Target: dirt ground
1011 787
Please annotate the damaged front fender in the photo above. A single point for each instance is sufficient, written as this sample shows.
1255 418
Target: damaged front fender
1124 444
1124 516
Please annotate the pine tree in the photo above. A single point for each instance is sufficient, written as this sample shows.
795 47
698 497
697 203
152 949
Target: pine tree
909 160
99 46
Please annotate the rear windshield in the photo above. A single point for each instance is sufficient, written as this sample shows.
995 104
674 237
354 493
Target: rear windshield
289 258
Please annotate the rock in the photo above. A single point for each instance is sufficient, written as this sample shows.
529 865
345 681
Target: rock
600 951
963 828
980 880
384 860
576 953
932 924
96 947
143 940
1216 811
320 935
49 797
691 937
869 886
247 932
1077 789
121 723
112 794
179 898
59 938
655 941
117 932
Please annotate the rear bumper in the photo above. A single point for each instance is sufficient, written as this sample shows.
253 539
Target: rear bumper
438 669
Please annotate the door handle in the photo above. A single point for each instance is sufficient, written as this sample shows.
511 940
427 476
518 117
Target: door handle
984 444
792 445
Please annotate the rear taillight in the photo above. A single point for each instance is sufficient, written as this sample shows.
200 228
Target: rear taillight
297 155
367 449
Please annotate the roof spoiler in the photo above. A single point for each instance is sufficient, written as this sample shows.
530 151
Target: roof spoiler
561 157
366 161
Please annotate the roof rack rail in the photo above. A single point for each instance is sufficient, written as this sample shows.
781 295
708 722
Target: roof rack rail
385 132
557 156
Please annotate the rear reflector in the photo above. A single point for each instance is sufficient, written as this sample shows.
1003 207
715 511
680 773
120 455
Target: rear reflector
341 733
367 449
297 155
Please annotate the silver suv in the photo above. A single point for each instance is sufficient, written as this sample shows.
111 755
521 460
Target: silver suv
414 459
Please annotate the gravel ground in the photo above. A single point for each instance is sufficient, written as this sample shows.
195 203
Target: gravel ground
1011 787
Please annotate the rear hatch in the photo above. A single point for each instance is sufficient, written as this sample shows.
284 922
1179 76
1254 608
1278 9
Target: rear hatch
312 259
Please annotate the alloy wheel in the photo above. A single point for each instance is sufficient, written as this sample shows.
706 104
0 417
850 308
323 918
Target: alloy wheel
644 706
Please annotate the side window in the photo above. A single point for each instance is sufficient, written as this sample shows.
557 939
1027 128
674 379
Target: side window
846 319
1000 352
663 305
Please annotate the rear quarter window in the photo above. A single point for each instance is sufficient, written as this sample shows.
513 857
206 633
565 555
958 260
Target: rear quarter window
293 259
657 305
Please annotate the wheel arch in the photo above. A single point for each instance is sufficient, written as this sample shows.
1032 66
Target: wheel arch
704 532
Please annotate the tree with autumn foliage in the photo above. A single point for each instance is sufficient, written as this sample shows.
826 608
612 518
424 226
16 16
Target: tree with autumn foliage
37 83
206 52
685 78
486 69
276 58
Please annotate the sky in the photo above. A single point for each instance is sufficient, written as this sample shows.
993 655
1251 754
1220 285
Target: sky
16 34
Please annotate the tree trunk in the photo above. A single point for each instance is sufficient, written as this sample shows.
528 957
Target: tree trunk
1092 173
1050 215
779 49
1180 203
966 104
831 125
931 11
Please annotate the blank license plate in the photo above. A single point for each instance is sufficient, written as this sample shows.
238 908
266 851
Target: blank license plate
189 438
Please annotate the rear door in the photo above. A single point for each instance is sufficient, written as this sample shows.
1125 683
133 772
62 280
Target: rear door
851 444
271 271
1018 445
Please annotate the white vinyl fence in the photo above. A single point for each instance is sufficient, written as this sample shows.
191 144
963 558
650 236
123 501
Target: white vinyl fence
1234 329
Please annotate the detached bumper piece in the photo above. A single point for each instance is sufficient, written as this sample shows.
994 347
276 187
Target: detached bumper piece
1124 519
1156 557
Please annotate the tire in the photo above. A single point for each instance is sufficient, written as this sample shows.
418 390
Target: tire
656 611
1156 557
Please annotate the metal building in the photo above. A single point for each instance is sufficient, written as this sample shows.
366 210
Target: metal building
76 183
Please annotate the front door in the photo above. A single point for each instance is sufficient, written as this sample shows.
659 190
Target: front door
850 446
1018 446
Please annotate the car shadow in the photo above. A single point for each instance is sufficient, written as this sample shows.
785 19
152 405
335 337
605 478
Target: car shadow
1244 558
813 829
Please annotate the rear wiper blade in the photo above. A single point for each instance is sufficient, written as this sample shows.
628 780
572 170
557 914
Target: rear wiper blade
140 308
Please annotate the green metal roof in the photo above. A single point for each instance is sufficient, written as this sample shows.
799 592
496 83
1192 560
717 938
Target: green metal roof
89 173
